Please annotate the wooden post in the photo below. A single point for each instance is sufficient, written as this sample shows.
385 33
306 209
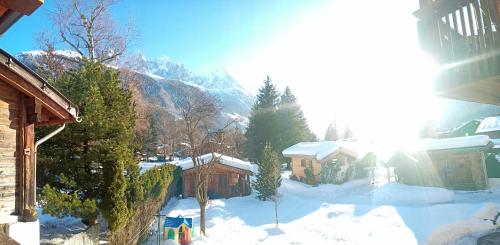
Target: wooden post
26 177
29 212
20 156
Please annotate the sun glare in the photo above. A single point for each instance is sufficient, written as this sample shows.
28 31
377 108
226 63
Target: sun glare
355 70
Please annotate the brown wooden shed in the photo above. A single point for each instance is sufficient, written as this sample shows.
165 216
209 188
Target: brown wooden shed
453 163
231 177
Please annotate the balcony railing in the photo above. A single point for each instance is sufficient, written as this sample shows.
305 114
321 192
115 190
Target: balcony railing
464 37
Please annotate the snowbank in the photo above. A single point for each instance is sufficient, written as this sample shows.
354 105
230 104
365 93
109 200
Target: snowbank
223 159
479 224
58 228
324 192
399 194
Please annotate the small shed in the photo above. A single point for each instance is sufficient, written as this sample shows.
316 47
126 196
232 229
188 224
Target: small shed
231 177
313 155
179 229
453 163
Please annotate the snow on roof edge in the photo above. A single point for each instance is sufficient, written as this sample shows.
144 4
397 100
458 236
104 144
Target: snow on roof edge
319 150
225 160
452 143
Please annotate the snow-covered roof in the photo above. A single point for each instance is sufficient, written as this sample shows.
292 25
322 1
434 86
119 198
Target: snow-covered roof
452 143
496 143
318 150
489 124
223 159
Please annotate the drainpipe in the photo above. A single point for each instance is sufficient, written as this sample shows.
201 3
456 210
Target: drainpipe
41 141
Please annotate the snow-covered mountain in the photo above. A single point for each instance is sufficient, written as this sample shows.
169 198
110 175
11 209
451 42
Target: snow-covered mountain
159 78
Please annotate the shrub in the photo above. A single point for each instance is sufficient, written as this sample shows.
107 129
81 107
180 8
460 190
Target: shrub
333 173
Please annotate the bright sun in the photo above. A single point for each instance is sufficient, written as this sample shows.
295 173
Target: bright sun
365 70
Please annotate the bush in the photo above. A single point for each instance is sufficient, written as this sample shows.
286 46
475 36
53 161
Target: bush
333 173
268 179
154 188
293 177
310 178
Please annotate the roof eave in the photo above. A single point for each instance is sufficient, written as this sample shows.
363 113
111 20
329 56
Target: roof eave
36 84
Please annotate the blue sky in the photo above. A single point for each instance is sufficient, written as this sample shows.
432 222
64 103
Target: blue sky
356 61
204 35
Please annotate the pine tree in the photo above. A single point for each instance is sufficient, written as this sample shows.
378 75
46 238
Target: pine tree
262 120
348 133
269 176
292 127
86 163
332 132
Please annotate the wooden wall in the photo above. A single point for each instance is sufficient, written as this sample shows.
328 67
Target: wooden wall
460 169
225 182
298 170
9 111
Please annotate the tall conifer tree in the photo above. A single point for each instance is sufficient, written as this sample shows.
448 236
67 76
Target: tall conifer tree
82 170
262 122
332 133
292 127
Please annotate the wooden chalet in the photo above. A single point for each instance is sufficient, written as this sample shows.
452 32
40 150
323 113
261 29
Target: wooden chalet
231 177
313 155
454 163
26 102
464 38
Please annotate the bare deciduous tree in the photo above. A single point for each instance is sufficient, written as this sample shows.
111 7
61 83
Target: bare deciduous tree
87 27
198 110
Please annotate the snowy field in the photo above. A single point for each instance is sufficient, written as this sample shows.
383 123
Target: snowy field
352 213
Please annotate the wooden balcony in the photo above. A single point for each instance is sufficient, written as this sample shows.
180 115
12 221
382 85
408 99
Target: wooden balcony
464 38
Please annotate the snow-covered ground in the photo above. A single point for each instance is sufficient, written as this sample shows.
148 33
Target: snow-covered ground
352 213
53 229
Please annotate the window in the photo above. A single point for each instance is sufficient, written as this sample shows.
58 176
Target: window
223 181
303 163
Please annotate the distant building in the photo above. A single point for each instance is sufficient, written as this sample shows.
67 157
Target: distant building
490 126
230 179
314 154
467 129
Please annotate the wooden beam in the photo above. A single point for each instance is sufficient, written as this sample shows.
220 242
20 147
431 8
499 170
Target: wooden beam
34 110
20 155
29 89
26 7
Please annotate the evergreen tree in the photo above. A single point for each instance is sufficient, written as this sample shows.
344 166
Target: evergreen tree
262 121
348 133
332 132
269 176
85 164
292 127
